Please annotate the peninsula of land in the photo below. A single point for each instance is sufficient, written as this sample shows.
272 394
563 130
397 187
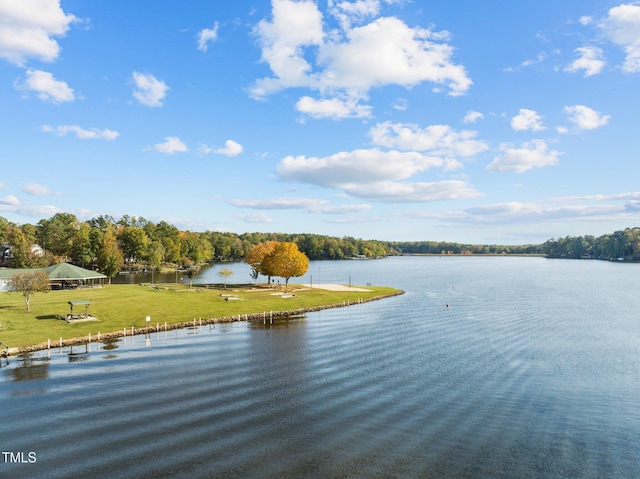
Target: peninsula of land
119 310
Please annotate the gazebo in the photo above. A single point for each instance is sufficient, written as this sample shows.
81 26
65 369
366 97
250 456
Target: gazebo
63 273
80 302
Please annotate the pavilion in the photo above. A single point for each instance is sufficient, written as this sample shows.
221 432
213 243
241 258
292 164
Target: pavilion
61 276
65 274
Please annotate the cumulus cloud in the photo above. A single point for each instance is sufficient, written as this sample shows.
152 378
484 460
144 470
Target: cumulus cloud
231 148
440 140
472 116
30 210
9 200
171 145
349 13
527 120
148 90
333 108
622 27
376 175
349 62
81 133
585 118
206 36
533 154
358 166
29 28
47 88
591 60
413 192
36 189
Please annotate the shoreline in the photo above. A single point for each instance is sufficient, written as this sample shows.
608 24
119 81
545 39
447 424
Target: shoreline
12 352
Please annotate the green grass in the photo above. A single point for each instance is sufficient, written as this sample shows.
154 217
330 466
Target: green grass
123 306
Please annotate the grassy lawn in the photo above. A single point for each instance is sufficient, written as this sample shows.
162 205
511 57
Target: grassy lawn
123 306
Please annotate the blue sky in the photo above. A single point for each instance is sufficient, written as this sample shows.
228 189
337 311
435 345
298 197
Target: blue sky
477 122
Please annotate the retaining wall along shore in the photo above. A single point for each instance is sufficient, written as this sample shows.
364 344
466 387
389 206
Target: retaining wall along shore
264 316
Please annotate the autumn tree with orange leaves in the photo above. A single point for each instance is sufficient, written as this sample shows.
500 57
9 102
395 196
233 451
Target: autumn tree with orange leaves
282 259
256 256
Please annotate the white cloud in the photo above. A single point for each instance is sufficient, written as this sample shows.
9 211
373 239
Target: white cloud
401 104
354 167
622 27
635 195
347 63
148 89
255 218
517 212
45 211
81 133
294 25
527 120
28 28
418 192
533 154
231 148
285 203
591 60
472 116
312 205
585 20
348 13
47 88
585 118
9 200
206 36
440 140
376 175
171 145
332 108
388 52
204 149
35 189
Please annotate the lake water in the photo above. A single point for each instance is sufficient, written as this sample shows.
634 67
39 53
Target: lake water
494 367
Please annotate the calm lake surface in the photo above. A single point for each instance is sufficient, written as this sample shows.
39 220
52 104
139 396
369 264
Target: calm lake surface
532 370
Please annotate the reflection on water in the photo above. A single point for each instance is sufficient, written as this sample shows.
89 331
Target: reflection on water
532 371
28 367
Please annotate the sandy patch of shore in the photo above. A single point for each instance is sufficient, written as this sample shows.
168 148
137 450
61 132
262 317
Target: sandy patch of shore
335 287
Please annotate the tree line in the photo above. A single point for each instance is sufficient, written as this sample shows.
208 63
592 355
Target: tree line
110 244
622 244
450 248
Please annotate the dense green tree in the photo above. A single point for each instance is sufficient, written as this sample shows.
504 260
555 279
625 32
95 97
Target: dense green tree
110 257
4 224
133 242
56 234
82 250
20 256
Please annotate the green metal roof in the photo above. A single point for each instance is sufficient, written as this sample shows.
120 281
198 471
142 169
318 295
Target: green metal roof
57 272
79 301
68 271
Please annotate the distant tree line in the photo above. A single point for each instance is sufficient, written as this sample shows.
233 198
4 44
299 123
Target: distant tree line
110 244
623 244
449 248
